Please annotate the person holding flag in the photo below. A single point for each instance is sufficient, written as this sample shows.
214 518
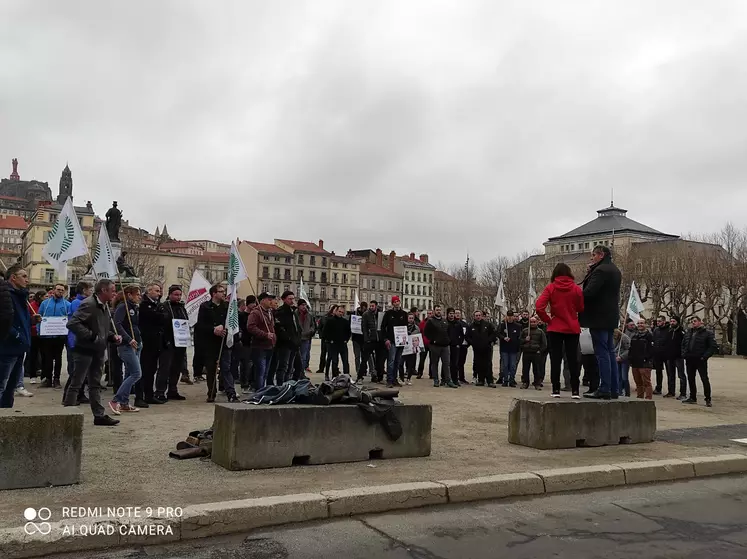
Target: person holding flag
212 333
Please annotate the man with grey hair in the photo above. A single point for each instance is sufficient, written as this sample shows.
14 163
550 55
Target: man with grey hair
93 329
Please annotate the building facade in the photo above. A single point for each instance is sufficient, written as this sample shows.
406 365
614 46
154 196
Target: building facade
418 280
12 228
344 277
377 282
19 197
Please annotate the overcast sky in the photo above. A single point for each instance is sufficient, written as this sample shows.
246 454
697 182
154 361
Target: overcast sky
424 126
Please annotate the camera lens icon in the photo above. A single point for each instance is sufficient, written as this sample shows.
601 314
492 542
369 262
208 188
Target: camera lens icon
43 514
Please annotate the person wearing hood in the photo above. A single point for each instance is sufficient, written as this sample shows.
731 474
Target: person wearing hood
601 315
641 356
674 363
660 333
566 301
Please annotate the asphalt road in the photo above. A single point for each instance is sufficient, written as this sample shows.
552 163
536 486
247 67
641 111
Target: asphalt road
694 519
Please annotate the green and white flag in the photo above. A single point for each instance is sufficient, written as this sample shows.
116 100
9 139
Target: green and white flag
635 305
66 240
532 294
236 274
302 292
500 297
104 263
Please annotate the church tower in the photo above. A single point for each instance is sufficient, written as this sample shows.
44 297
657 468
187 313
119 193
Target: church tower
66 186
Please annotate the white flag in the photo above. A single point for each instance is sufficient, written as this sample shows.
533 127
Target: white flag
236 274
199 292
357 302
66 240
532 290
302 292
635 305
104 263
500 297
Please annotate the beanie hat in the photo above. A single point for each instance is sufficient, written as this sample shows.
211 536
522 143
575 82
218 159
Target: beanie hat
174 287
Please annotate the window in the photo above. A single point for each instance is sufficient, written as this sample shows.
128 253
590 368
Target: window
286 287
300 258
418 305
407 290
288 259
324 277
310 292
161 271
344 278
344 265
323 291
287 274
586 245
276 273
277 259
265 272
407 275
312 260
49 275
418 290
562 248
180 272
352 278
381 284
389 283
265 257
430 292
657 266
639 267
266 287
276 289
312 275
324 261
352 294
335 278
344 293
419 279
398 286
573 246
335 265
300 274
407 303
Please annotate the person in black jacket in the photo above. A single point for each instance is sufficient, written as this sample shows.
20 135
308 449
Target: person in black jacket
288 346
698 345
675 364
437 332
394 317
463 349
211 331
601 315
372 344
245 368
456 339
660 333
509 333
337 334
151 328
323 357
482 336
641 357
6 309
172 357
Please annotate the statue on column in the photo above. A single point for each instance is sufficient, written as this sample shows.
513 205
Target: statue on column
113 222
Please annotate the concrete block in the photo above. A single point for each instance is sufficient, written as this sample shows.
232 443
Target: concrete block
585 477
656 470
547 423
214 519
254 437
719 465
40 448
364 500
493 487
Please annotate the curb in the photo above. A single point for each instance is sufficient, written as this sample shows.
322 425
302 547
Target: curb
229 517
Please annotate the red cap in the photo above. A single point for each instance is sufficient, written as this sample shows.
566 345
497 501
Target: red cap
395 299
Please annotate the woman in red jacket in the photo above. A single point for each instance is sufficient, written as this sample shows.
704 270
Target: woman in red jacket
566 300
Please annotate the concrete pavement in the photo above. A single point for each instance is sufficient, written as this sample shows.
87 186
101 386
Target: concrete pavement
701 518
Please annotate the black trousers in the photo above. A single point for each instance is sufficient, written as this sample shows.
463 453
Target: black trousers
376 350
591 371
323 357
170 365
532 361
421 363
675 370
198 362
454 353
564 345
462 360
698 366
149 366
407 366
33 358
483 365
240 364
659 368
51 357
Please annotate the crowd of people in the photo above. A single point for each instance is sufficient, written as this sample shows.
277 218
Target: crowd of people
128 337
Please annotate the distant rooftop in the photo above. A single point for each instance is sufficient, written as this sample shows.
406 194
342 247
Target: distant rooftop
266 247
608 220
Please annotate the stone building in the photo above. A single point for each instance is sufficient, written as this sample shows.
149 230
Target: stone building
418 280
343 277
19 197
378 282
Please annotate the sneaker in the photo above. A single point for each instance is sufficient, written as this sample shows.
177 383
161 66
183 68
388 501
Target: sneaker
128 408
210 399
175 396
24 392
106 421
56 384
555 394
141 404
33 380
524 386
435 384
408 382
451 385
689 401
233 399
669 395
397 384
682 397
576 396
538 387
709 404
45 384
186 380
115 407
492 385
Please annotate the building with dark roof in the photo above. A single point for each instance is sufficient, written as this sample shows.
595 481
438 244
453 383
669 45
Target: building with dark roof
18 197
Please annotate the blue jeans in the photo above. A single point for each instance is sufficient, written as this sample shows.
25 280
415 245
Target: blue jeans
604 350
11 371
131 359
305 354
624 382
261 363
392 366
509 363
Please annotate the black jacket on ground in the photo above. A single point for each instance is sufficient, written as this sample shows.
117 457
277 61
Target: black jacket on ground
481 335
287 327
337 329
673 344
152 322
391 319
370 326
641 353
661 333
437 331
456 332
209 316
698 343
601 296
6 309
510 330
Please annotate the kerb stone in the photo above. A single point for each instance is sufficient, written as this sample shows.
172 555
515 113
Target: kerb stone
719 465
494 487
364 500
656 470
586 477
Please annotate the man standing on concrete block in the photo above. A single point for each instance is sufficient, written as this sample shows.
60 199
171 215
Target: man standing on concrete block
601 315
92 326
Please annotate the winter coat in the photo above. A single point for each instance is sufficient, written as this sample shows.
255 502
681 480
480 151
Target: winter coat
54 307
481 335
437 331
152 322
622 347
661 333
6 309
173 311
17 340
260 325
244 337
209 316
537 340
123 323
308 328
337 330
641 353
370 327
698 343
510 330
673 343
412 329
391 319
456 332
287 327
601 296
92 327
566 300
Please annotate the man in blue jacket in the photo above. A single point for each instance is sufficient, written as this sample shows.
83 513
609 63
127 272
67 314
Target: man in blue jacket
52 346
18 340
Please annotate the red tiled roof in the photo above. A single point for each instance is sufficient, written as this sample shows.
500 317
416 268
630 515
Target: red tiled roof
443 276
375 269
303 246
214 257
266 247
179 244
13 222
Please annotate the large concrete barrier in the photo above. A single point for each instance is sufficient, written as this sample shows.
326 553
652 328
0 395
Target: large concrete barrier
563 423
40 448
252 437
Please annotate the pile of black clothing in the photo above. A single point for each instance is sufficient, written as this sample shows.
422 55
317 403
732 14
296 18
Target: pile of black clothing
375 404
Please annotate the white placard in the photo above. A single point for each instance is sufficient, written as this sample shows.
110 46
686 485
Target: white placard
414 344
400 336
355 324
181 332
586 343
53 326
